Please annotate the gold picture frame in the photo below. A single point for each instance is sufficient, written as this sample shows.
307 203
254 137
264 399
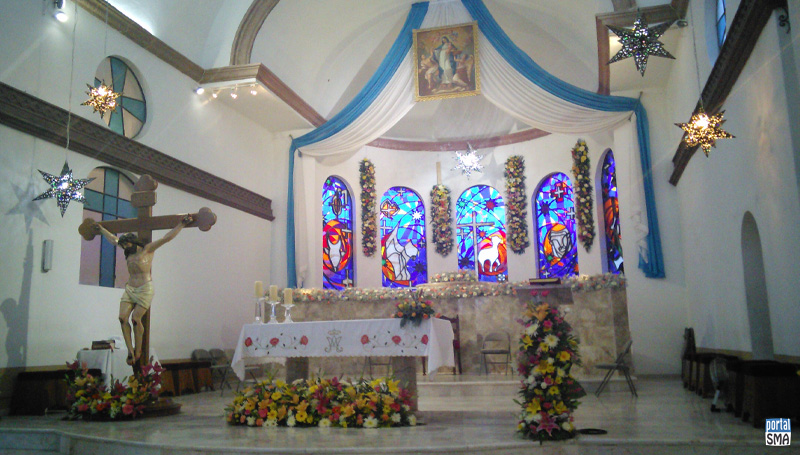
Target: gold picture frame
446 62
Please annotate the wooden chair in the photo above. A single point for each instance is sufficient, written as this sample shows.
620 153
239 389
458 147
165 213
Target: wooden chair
456 346
370 362
496 344
618 365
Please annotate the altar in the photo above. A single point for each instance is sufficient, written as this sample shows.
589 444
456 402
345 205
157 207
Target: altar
596 307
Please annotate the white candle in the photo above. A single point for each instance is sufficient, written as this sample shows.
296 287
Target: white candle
287 296
438 172
273 293
259 289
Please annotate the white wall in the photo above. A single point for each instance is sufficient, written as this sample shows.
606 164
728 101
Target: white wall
754 172
203 280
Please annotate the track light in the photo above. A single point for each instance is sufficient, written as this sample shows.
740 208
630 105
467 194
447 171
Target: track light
215 94
58 11
234 95
253 90
199 90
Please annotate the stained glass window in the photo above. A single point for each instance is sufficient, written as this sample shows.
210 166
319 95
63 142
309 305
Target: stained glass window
403 250
480 219
107 198
338 262
721 22
554 212
131 113
608 185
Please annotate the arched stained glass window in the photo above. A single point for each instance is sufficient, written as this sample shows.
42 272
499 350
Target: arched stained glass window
721 22
554 212
480 219
338 261
608 185
108 197
403 249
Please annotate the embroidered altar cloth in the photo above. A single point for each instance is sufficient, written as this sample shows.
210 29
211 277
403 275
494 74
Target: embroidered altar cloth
433 339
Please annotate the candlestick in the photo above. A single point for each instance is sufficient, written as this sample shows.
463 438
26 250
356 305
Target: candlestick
287 296
273 293
287 303
259 289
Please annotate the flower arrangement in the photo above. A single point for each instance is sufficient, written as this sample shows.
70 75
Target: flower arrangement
584 203
414 311
585 283
88 398
517 205
449 277
323 403
547 352
369 224
442 220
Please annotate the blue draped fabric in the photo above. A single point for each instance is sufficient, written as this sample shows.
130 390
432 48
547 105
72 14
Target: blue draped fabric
346 116
653 265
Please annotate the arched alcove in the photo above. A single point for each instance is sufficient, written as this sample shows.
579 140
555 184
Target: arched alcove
755 287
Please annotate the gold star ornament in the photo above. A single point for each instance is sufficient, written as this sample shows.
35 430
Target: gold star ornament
704 130
102 99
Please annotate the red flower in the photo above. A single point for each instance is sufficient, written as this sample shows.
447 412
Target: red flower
364 339
424 339
248 342
304 340
274 341
397 339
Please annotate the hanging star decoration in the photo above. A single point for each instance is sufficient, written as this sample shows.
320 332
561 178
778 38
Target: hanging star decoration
640 42
704 130
468 162
63 188
101 98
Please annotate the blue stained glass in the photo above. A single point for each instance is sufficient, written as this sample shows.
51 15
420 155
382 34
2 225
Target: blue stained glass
608 185
480 218
403 247
554 216
338 261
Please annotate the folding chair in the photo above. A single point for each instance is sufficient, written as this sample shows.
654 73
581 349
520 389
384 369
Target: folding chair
618 365
496 344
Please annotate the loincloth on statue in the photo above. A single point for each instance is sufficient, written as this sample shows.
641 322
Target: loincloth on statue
142 295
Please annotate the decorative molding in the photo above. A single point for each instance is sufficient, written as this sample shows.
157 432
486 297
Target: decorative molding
263 75
140 36
248 30
750 19
43 120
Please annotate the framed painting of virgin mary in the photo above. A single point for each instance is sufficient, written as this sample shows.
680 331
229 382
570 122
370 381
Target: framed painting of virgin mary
446 62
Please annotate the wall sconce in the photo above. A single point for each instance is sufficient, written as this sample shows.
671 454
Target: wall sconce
58 11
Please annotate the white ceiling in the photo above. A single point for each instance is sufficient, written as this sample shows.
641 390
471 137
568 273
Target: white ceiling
326 50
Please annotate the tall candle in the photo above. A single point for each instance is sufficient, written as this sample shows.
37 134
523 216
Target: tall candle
259 289
438 172
287 296
273 293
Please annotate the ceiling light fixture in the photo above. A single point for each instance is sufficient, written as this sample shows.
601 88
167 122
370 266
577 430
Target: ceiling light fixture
58 11
234 95
215 94
253 90
199 90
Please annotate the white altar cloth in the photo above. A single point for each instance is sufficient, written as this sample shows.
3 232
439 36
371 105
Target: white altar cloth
433 339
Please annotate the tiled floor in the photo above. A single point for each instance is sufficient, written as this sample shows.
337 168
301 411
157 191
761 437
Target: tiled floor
665 419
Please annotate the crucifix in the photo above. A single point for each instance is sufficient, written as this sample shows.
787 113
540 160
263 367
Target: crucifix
472 230
143 199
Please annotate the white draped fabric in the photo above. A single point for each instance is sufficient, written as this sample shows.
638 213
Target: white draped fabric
501 84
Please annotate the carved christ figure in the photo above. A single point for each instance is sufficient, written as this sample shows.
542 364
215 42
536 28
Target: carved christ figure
139 292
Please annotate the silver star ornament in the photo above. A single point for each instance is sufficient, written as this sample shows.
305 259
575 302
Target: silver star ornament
468 162
640 42
63 188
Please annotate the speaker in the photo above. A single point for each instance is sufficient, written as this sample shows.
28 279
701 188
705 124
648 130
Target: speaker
47 255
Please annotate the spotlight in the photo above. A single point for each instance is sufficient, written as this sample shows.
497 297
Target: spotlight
234 95
253 91
214 95
199 90
59 13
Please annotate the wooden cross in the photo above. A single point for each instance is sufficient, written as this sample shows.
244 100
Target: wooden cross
143 199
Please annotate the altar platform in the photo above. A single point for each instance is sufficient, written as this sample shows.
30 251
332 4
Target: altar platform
463 415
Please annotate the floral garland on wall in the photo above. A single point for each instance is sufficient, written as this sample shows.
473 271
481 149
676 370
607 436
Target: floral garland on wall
442 220
369 224
585 283
378 403
547 352
517 214
584 203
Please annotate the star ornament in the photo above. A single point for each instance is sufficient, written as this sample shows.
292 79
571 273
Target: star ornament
704 130
102 99
640 42
468 162
63 188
